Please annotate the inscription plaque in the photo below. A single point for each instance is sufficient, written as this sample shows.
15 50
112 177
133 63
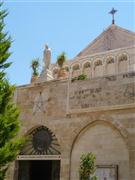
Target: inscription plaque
107 172
84 95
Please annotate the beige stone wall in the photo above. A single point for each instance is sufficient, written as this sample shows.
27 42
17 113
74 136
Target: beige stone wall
107 130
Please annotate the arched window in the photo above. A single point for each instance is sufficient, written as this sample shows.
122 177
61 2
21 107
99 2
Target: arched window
66 72
98 68
55 73
110 66
122 63
66 68
75 70
87 69
40 141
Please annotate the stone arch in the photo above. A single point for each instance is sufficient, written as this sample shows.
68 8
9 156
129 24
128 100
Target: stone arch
55 73
98 68
76 70
110 65
66 68
123 62
105 140
86 68
41 141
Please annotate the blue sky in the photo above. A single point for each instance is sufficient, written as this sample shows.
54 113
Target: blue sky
65 25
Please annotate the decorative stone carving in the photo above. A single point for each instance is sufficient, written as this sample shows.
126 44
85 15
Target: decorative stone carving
41 141
40 102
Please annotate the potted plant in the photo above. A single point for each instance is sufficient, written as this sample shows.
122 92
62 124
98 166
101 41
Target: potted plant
61 59
87 167
35 66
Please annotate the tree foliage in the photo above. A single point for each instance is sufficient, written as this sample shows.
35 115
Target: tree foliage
5 43
9 122
87 167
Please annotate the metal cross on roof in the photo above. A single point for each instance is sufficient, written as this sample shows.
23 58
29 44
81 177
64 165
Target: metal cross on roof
112 12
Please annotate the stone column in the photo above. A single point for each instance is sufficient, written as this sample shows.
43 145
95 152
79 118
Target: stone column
65 167
104 67
92 69
116 65
132 156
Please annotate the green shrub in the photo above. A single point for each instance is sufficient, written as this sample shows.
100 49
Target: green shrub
87 167
80 77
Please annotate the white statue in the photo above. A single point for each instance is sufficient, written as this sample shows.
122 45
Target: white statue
47 56
46 74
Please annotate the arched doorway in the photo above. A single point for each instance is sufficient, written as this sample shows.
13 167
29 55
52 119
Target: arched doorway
106 142
40 157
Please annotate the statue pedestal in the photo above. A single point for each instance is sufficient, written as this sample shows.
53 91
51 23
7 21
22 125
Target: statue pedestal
46 75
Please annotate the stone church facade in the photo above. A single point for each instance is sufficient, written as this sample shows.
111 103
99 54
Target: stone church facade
66 118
